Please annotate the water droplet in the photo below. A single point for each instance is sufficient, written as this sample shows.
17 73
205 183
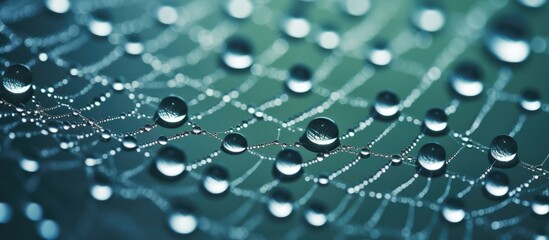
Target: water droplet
33 211
355 7
436 120
58 6
100 189
234 143
288 162
17 79
100 23
321 135
503 148
365 152
428 17
396 159
299 79
316 214
379 54
237 53
172 111
328 39
508 39
169 163
239 9
5 212
280 203
118 84
497 184
48 229
296 26
533 3
53 126
386 104
323 180
129 143
530 100
467 79
540 204
432 157
167 15
106 135
29 165
133 45
183 219
216 179
453 210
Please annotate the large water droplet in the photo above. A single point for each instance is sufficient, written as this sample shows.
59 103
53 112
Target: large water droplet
183 219
379 54
540 204
497 184
428 17
503 148
237 53
299 79
432 157
328 39
386 104
129 143
436 120
467 79
58 6
133 45
239 9
453 210
530 100
100 23
169 163
234 143
508 39
316 214
321 134
172 111
280 204
288 162
17 79
296 26
216 180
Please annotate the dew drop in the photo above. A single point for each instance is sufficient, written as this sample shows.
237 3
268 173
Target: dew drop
280 203
316 214
432 157
508 39
396 159
365 152
183 220
106 135
533 3
386 104
288 162
169 163
540 204
497 184
172 111
428 17
129 143
296 26
323 180
299 79
118 85
239 9
133 45
321 134
53 126
453 210
355 8
100 189
328 39
503 148
48 229
467 79
379 54
234 143
237 53
216 180
17 79
436 120
530 100
33 211
58 6
100 23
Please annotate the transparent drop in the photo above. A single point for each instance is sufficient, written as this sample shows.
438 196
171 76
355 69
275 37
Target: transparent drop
58 6
432 157
530 100
129 143
33 211
170 161
48 229
328 39
299 79
453 210
53 126
239 9
100 189
237 53
428 17
133 45
17 79
355 7
379 54
396 159
234 143
280 204
296 26
323 180
29 165
386 104
216 179
172 110
316 214
365 152
106 135
100 23
436 120
497 184
467 79
321 134
540 204
167 15
288 162
503 148
183 219
118 85
508 39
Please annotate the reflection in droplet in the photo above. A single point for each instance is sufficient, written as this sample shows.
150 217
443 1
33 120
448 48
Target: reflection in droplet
436 120
129 143
170 161
167 15
17 79
321 134
172 110
280 203
540 204
296 27
234 143
386 104
355 7
503 148
316 214
58 6
183 219
328 39
432 156
288 162
239 9
530 100
133 45
533 3
379 54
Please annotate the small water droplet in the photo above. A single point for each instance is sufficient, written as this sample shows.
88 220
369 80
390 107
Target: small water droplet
386 104
436 120
169 163
328 39
106 135
237 53
288 162
432 157
129 143
453 210
316 214
533 3
365 152
100 23
234 143
17 79
299 79
101 189
540 204
497 184
467 79
379 54
508 39
428 17
239 9
280 203
216 179
323 180
167 15
530 100
183 219
396 159
58 6
48 229
321 134
172 111
133 45
503 148
355 8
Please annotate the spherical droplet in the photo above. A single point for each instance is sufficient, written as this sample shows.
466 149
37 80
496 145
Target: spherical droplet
432 157
453 210
129 143
396 159
100 23
299 79
436 120
323 180
508 39
234 143
239 9
280 203
17 79
503 148
365 152
216 179
379 54
48 229
355 7
101 189
170 162
118 84
296 26
33 211
133 45
237 53
172 110
530 100
386 104
328 39
321 134
167 15
428 17
316 214
467 79
497 184
288 162
540 204
58 6
183 220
